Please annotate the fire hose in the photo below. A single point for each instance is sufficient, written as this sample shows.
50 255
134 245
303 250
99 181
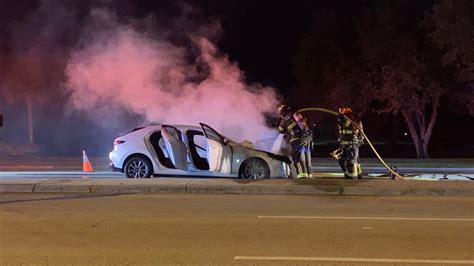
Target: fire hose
361 131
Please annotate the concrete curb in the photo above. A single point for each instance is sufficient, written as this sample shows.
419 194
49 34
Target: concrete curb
407 191
16 188
209 186
414 188
235 186
161 185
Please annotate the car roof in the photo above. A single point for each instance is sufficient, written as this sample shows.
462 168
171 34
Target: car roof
182 127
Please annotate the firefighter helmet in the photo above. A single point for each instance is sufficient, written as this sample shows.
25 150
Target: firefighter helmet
345 110
284 109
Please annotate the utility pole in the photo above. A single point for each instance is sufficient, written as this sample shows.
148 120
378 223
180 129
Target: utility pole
30 120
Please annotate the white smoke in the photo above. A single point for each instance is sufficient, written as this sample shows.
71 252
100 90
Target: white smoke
123 68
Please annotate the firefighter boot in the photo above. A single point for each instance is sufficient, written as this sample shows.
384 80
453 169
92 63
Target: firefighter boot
352 171
358 171
301 171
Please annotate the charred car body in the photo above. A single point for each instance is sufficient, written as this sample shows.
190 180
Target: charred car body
177 150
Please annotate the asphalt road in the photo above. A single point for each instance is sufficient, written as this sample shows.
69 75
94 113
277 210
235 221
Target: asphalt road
226 229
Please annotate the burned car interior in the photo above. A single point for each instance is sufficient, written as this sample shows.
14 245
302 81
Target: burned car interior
196 146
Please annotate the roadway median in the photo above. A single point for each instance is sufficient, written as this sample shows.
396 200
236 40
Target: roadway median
370 187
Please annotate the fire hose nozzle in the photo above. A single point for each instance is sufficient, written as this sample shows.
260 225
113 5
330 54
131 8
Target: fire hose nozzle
336 154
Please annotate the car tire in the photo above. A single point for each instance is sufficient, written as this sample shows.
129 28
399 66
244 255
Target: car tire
254 168
138 167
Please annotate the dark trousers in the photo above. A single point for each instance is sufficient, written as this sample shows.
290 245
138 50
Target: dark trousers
349 161
301 157
308 150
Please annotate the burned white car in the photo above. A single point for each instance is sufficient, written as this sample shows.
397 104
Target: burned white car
167 150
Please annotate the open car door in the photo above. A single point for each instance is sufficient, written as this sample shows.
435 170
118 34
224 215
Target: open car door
175 147
219 154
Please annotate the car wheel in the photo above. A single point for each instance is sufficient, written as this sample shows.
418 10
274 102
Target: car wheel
138 167
254 168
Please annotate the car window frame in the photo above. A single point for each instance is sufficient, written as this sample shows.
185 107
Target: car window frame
221 139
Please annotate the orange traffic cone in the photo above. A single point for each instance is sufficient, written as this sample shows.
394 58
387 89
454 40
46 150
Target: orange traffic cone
86 165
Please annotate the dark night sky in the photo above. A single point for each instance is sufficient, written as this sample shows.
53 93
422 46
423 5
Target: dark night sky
262 36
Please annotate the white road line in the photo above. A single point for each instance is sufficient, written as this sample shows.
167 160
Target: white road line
367 218
342 259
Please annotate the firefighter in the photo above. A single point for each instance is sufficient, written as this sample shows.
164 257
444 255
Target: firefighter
350 139
297 133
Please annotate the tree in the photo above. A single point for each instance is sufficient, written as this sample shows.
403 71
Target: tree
344 81
451 29
33 77
407 90
37 53
401 74
388 69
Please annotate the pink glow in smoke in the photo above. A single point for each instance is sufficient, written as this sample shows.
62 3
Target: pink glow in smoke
151 77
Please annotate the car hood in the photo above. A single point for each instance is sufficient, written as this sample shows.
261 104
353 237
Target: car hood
249 146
